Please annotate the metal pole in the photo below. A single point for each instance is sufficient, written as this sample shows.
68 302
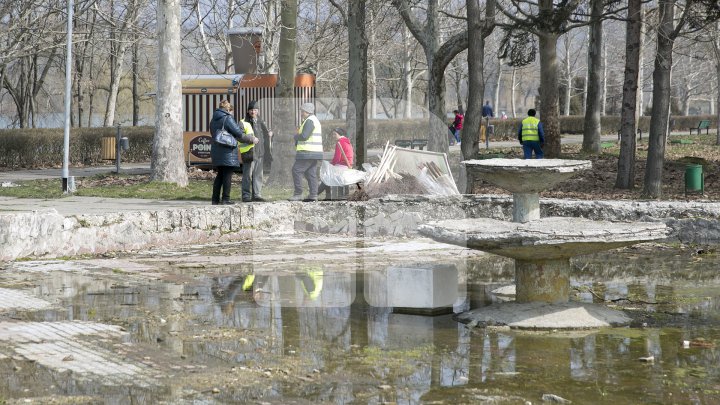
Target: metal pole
117 150
68 99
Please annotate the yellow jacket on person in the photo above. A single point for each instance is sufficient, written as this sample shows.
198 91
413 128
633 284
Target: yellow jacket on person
248 130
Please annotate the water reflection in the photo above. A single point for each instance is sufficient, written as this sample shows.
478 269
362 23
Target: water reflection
323 335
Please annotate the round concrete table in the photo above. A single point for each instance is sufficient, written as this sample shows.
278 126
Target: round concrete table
525 179
542 248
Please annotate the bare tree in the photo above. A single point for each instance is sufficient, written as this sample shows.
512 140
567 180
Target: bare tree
32 35
121 35
591 126
437 56
285 89
357 77
695 14
168 163
716 56
478 30
626 163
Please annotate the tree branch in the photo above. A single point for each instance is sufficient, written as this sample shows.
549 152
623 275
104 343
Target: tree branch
413 25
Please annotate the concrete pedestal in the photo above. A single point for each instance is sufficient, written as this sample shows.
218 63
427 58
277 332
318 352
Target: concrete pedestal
542 280
526 207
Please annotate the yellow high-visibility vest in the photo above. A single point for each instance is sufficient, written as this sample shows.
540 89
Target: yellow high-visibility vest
530 129
314 142
317 278
248 129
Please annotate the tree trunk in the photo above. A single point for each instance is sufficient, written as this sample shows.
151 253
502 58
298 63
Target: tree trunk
512 92
496 90
661 102
407 75
470 135
568 79
368 60
603 95
549 90
284 115
641 67
357 78
457 83
717 110
477 32
628 120
591 126
116 70
135 76
168 163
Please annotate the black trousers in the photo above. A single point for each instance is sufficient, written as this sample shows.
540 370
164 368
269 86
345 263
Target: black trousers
223 181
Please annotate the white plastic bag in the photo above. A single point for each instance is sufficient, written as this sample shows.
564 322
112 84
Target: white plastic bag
340 175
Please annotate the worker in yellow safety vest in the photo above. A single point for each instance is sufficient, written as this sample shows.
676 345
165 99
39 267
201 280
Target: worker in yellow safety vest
309 153
248 164
531 136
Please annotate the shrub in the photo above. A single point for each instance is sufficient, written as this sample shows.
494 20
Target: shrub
32 148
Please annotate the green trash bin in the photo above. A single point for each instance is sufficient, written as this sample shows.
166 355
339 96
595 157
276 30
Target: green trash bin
694 181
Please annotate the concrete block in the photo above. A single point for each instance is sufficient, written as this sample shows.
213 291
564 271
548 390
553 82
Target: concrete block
423 289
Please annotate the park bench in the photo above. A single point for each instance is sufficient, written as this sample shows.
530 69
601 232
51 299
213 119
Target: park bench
703 124
411 143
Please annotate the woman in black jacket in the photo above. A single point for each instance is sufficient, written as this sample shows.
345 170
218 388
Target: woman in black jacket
224 158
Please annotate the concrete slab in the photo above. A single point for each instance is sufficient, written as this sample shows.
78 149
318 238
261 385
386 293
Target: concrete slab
397 287
526 175
546 238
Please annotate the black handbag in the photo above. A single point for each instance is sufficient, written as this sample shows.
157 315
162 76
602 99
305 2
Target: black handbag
225 138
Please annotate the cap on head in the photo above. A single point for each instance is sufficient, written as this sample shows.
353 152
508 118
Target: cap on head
252 105
340 131
308 108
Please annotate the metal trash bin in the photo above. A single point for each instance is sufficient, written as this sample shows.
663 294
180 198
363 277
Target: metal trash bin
694 179
107 147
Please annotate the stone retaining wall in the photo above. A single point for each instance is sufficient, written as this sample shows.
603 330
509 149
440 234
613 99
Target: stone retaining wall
49 234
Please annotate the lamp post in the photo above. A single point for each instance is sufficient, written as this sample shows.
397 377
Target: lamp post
68 100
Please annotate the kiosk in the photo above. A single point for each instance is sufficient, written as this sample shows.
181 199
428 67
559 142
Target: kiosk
202 94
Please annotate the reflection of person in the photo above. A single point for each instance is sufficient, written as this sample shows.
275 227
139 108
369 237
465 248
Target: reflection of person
224 158
252 178
457 125
309 150
531 136
344 156
487 110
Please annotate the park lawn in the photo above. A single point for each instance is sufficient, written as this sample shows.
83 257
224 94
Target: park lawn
597 183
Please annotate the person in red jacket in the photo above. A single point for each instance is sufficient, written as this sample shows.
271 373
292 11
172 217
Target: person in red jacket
343 157
457 125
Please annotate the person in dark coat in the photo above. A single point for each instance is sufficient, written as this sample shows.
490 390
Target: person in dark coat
252 179
224 158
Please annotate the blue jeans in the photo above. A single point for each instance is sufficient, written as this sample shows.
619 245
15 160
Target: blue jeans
532 146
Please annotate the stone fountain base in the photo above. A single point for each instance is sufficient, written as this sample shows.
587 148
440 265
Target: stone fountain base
545 316
542 250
